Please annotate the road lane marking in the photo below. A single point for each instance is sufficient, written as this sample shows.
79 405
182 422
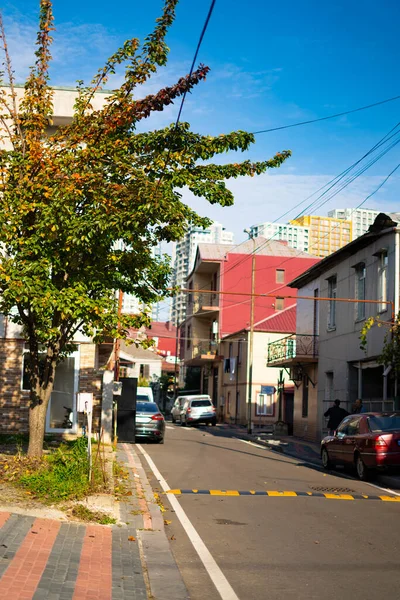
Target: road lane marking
280 494
221 583
169 427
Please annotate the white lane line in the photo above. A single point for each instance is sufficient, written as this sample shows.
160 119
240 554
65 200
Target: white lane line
308 462
216 575
169 427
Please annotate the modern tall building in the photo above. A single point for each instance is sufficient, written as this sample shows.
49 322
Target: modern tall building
326 234
183 255
361 218
296 237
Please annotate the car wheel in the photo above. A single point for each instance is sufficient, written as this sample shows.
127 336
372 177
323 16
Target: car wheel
173 420
326 461
363 472
161 440
213 423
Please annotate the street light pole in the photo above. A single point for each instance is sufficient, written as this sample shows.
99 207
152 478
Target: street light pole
251 340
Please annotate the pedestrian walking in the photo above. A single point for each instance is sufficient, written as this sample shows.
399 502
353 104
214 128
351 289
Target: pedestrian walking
335 415
358 407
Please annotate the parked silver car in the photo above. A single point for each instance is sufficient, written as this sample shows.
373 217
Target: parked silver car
150 423
177 408
198 409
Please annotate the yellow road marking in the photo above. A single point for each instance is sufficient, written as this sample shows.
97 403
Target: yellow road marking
339 496
227 493
390 498
286 494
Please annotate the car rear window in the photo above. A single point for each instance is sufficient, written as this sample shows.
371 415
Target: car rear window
385 423
149 407
195 403
143 398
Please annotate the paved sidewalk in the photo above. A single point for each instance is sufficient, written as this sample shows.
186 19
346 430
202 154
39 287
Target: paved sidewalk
46 559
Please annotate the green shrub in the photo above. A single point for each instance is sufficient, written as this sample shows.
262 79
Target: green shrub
63 475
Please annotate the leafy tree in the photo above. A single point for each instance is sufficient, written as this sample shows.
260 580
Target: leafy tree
390 354
67 197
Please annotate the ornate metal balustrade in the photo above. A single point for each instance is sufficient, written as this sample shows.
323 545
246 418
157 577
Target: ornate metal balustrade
293 347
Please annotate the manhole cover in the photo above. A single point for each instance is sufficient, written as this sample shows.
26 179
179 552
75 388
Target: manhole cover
331 490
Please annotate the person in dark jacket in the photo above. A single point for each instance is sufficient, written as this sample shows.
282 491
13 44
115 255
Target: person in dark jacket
336 416
358 407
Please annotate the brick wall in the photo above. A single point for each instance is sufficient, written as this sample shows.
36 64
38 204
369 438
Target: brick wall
14 403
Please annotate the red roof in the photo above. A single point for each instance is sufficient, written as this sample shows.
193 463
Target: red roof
283 321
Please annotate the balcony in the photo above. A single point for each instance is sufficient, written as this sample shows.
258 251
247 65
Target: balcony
201 352
293 349
205 304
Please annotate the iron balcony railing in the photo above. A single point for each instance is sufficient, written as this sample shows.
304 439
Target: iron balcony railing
205 349
296 346
205 302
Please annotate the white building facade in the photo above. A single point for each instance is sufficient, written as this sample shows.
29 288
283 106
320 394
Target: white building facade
361 218
183 256
296 236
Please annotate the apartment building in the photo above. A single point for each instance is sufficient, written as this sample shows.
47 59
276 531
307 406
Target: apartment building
361 218
296 236
326 234
183 257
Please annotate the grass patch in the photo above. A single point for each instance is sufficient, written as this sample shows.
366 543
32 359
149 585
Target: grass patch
85 514
62 475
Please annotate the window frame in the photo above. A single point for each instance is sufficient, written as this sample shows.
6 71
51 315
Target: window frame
332 294
383 287
279 275
360 290
268 406
281 302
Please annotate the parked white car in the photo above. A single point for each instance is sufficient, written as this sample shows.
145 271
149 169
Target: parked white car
198 409
144 394
177 408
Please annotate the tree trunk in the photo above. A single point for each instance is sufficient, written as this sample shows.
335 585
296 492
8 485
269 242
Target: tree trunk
37 420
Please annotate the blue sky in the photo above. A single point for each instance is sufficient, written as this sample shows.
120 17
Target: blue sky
271 64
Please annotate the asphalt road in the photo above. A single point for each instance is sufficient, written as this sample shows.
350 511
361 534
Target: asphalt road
292 548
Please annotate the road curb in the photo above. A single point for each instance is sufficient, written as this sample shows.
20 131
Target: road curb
164 578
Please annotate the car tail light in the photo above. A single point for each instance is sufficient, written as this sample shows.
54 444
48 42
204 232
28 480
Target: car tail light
189 409
379 443
213 408
157 417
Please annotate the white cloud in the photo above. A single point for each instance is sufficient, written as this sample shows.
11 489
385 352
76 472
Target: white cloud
268 197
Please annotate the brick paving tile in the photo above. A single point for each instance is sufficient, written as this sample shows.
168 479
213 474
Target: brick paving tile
94 581
4 516
12 534
29 561
127 572
61 571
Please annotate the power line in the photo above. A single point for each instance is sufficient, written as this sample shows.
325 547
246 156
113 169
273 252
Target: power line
341 114
203 31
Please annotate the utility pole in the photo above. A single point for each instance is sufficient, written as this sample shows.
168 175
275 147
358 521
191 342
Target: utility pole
251 340
117 347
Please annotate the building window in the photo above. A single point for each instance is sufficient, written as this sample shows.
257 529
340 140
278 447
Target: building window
383 280
279 303
188 336
280 275
304 404
360 291
332 293
230 349
190 295
265 405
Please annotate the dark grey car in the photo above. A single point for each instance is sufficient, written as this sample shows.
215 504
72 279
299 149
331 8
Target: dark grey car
150 422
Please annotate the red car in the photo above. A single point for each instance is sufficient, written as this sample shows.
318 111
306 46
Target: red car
367 441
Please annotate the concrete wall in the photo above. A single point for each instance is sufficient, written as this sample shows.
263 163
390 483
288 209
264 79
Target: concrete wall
307 427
